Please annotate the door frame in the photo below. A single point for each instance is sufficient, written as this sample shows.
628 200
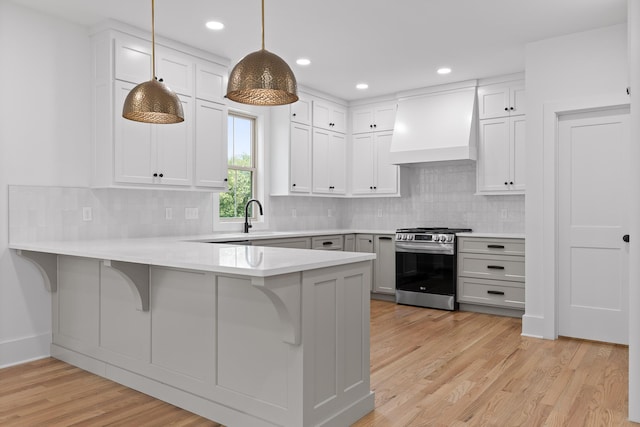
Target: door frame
550 206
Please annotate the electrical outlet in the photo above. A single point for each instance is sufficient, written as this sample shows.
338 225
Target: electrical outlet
379 213
504 213
294 213
191 213
87 214
168 213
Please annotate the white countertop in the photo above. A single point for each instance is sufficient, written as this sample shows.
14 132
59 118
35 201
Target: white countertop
255 261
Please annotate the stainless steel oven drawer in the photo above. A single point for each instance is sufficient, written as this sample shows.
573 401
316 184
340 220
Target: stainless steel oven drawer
494 267
491 292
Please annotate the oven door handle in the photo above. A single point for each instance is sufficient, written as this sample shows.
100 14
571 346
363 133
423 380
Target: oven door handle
421 249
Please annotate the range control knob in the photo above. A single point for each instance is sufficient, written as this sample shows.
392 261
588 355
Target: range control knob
449 239
443 238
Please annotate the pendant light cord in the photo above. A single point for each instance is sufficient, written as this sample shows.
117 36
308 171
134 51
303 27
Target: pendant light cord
153 40
262 24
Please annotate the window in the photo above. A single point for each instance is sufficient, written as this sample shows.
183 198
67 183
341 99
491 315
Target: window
242 166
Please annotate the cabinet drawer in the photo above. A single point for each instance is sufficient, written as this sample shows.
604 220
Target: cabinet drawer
497 267
327 243
491 245
491 292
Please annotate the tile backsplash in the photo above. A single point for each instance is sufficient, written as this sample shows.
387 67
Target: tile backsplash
432 195
59 213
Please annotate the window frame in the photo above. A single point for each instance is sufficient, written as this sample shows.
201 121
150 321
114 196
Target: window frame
262 131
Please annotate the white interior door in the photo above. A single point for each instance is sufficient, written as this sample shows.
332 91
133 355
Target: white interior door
593 206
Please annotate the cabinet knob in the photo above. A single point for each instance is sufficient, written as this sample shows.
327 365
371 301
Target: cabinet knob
294 114
160 79
511 108
371 126
161 175
375 188
510 182
375 126
370 241
370 188
506 109
506 183
293 185
226 179
155 175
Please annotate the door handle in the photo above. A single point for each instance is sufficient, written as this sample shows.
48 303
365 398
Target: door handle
625 238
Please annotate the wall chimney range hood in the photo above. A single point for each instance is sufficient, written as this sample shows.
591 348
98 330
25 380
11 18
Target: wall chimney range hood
435 127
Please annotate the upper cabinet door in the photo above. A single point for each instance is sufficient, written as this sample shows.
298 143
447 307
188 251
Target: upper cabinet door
300 158
362 120
385 117
174 145
501 100
301 111
517 99
133 59
329 116
211 145
175 70
210 79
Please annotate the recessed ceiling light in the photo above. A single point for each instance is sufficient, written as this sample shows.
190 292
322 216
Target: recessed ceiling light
362 86
214 25
303 61
444 70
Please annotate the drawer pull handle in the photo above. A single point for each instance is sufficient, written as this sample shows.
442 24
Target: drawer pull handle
327 243
495 267
495 246
495 292
384 238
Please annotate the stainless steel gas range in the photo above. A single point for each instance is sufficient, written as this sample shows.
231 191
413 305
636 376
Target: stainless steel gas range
426 267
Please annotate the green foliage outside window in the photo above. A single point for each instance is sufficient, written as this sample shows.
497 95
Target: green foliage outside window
240 191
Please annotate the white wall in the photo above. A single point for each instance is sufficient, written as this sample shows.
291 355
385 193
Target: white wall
44 140
574 67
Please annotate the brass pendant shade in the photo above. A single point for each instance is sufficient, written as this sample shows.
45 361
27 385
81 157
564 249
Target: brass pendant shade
262 78
153 101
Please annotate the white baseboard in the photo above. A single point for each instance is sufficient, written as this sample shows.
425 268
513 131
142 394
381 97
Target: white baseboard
25 349
533 326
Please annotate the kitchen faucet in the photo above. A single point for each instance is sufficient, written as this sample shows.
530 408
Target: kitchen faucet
247 226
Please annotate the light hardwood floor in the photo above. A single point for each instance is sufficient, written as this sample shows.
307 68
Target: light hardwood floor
428 368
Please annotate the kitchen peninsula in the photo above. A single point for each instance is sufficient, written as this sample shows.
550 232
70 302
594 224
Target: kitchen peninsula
243 335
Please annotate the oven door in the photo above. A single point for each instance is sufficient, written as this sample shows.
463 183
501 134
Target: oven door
427 270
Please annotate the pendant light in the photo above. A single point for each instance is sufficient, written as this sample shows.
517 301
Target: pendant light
262 78
153 101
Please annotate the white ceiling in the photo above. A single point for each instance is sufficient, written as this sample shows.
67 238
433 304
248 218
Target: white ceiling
393 45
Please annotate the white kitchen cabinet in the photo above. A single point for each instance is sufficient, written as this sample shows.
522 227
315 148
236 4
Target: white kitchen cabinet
329 116
491 274
501 100
301 110
501 157
349 243
372 172
147 154
210 81
300 160
364 243
134 154
384 265
380 117
328 243
329 162
211 145
133 64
